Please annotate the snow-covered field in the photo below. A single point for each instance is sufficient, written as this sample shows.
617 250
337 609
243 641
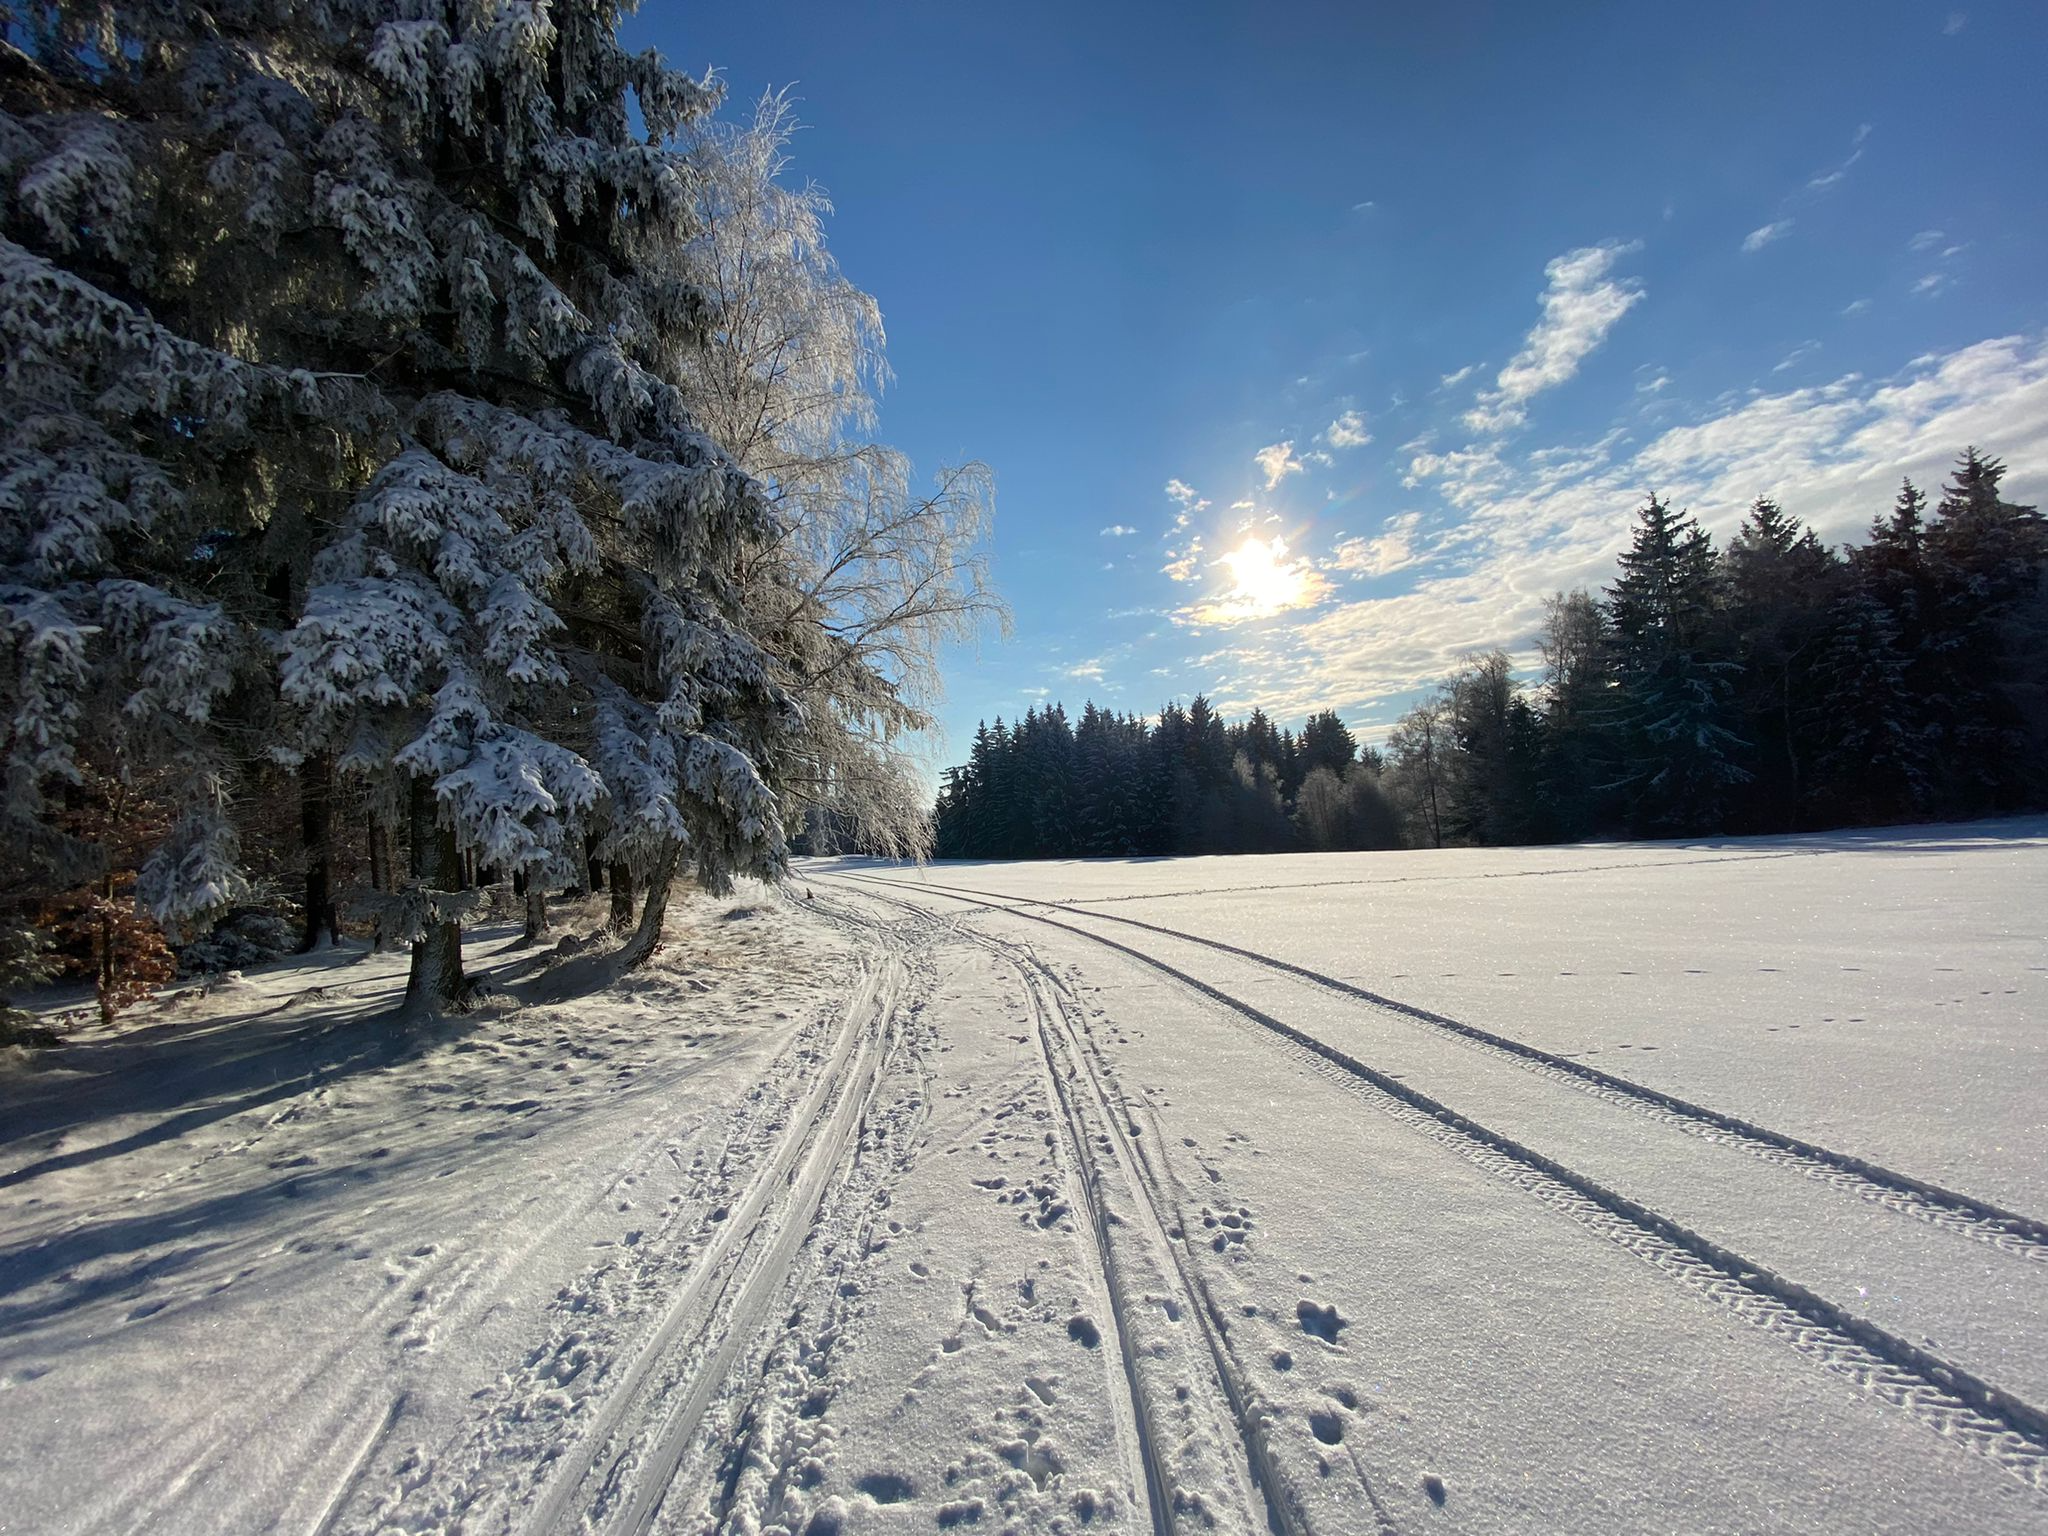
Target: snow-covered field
1673 1187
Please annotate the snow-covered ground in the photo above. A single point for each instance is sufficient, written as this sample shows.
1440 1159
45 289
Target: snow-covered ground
1669 1187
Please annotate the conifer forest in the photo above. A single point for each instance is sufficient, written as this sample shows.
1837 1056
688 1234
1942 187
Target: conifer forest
1772 686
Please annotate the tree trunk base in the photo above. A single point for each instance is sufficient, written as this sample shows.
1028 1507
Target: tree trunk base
536 913
620 884
653 911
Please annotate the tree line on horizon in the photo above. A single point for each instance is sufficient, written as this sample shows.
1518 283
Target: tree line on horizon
1775 685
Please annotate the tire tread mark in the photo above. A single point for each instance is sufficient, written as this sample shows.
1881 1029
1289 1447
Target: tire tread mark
2009 1231
1952 1401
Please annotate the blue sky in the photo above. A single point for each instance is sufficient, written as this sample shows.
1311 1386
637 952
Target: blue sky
1431 295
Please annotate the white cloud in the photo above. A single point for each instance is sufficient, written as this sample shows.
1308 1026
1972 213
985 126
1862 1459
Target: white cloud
1276 462
1926 240
1933 283
1580 306
1821 181
1758 238
1796 356
1182 564
1088 671
1453 380
1393 550
1347 431
1855 306
1955 23
1118 531
1190 501
1832 453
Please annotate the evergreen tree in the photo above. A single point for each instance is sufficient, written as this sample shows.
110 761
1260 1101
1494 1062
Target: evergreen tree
1325 743
1872 752
1673 680
1987 559
1781 582
1491 770
363 326
1578 768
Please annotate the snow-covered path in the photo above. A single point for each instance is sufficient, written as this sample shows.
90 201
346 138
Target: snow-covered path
1302 1194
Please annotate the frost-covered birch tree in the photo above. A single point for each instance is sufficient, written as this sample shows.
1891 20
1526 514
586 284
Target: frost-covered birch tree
343 410
869 576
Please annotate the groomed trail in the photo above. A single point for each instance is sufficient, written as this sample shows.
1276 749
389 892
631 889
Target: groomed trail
1166 1196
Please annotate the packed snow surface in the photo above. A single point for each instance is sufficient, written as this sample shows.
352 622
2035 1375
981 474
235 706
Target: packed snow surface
1675 1187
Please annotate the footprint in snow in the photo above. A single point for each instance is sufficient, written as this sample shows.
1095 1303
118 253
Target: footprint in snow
1322 1322
885 1487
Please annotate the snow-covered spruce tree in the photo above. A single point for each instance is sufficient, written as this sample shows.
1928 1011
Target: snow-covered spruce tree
368 310
868 578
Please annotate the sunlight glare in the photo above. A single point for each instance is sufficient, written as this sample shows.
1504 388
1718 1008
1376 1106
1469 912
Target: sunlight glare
1266 582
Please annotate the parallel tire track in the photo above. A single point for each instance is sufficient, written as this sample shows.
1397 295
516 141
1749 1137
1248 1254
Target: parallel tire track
2008 1231
1948 1399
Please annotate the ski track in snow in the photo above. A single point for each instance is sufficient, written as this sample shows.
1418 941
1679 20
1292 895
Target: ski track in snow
1955 1403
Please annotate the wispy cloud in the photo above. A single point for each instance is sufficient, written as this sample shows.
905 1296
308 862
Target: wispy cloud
1796 356
1926 240
1347 431
1581 304
1276 462
1118 531
1393 550
1453 380
1765 235
1821 181
1955 22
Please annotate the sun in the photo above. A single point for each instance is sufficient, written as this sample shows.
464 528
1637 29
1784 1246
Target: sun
1266 582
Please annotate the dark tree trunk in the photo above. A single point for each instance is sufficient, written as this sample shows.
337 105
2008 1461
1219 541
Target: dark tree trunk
436 979
621 881
653 908
383 854
536 913
316 829
596 864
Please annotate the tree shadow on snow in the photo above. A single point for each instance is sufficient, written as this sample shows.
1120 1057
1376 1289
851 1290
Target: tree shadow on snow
180 1074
